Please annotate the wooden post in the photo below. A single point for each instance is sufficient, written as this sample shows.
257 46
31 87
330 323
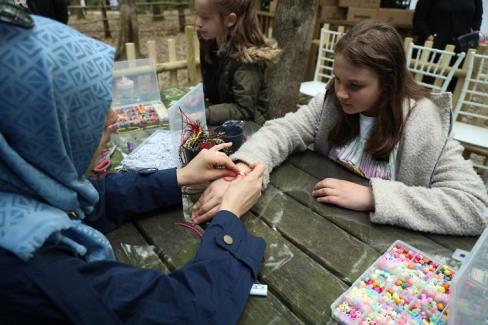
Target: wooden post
80 12
130 51
129 31
106 26
190 54
196 44
181 17
406 44
461 78
173 74
151 51
443 64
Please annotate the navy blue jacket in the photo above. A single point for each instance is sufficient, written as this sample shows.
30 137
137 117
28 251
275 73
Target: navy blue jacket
57 287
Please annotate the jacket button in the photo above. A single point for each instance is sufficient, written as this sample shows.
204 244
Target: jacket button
228 240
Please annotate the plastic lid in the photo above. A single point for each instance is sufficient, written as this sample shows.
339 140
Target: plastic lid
125 83
140 77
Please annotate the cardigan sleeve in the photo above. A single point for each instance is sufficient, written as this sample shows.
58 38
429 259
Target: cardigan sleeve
279 138
454 204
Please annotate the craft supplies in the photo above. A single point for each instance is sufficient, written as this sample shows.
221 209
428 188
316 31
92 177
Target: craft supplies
156 151
469 297
186 121
103 161
139 116
194 138
126 87
404 286
136 99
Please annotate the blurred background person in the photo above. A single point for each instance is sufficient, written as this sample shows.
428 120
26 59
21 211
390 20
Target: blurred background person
54 9
443 21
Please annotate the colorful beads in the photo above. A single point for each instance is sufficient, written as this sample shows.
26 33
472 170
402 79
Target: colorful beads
402 287
135 116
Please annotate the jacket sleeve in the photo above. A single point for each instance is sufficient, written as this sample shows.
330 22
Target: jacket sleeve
478 15
421 17
246 85
123 195
279 138
215 286
454 204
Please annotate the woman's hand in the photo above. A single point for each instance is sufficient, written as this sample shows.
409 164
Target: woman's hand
208 165
344 194
244 192
209 203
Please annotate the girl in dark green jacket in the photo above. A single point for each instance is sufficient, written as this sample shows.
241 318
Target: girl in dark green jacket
233 60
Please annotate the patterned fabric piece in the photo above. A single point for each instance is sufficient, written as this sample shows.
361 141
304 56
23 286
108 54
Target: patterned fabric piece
55 91
354 157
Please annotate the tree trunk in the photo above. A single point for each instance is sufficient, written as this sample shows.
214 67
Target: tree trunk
129 32
106 26
80 12
292 28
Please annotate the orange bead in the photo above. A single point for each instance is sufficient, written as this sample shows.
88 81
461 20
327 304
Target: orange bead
440 307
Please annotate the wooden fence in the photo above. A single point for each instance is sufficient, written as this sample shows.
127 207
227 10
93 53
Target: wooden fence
191 63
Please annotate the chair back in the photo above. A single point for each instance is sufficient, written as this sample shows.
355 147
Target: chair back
433 68
471 112
472 105
325 59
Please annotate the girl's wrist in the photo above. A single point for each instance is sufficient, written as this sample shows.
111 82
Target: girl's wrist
243 167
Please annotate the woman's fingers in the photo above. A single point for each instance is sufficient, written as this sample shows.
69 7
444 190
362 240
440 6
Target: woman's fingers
221 146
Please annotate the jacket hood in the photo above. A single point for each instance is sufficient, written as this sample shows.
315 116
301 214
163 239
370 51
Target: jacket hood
267 53
442 103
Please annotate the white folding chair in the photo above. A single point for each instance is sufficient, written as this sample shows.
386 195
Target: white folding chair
471 111
325 59
424 62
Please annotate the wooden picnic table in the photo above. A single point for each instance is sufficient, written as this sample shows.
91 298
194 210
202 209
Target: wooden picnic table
314 251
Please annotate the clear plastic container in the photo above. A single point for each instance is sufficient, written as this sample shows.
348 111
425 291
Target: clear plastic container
136 98
469 301
403 286
185 116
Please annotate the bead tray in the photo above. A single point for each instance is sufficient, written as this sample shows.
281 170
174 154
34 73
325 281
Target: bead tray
403 286
139 116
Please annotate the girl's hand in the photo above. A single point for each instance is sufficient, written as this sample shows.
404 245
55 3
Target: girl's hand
208 165
209 203
344 194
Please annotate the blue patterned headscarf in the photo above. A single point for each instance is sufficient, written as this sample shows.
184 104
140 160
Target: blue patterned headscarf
55 91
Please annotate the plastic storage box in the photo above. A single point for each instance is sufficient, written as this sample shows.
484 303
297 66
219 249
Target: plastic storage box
136 97
469 301
404 286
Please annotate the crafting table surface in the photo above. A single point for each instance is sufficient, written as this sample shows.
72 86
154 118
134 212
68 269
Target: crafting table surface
314 251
